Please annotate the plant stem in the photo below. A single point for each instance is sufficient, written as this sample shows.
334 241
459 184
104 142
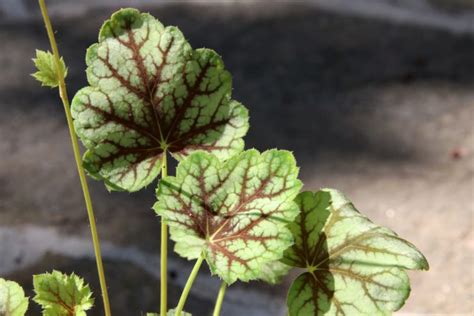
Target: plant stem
187 287
164 248
220 298
77 156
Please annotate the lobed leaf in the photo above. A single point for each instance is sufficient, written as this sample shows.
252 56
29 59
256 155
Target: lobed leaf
13 301
151 93
235 212
353 266
47 72
62 295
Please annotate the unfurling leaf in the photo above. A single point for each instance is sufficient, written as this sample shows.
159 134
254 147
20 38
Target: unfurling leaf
13 301
151 93
235 212
62 295
354 266
47 72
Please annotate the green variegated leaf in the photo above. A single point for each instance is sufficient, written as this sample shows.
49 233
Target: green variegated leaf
47 72
150 92
354 266
62 295
13 301
235 212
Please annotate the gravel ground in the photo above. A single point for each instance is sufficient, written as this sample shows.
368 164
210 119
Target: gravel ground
381 111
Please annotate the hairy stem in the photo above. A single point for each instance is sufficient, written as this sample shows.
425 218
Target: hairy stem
164 248
220 299
189 284
77 155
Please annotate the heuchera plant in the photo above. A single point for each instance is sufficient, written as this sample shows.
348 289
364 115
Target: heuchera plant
151 96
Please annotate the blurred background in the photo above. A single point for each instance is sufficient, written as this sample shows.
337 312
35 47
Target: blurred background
375 98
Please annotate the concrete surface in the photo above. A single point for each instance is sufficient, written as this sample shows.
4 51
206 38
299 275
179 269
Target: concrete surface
453 15
380 110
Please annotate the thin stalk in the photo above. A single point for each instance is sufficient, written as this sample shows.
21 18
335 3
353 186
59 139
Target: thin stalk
164 248
187 287
220 299
77 156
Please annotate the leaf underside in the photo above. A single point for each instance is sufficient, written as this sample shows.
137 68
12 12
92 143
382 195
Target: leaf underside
235 212
150 92
354 267
13 301
62 295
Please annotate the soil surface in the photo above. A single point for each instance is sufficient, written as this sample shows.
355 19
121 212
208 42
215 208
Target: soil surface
378 110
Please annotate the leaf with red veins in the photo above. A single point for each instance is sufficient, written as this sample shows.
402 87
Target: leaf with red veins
61 294
235 212
354 267
150 92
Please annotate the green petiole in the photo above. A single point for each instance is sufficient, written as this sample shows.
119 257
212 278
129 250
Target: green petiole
189 284
220 299
164 248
